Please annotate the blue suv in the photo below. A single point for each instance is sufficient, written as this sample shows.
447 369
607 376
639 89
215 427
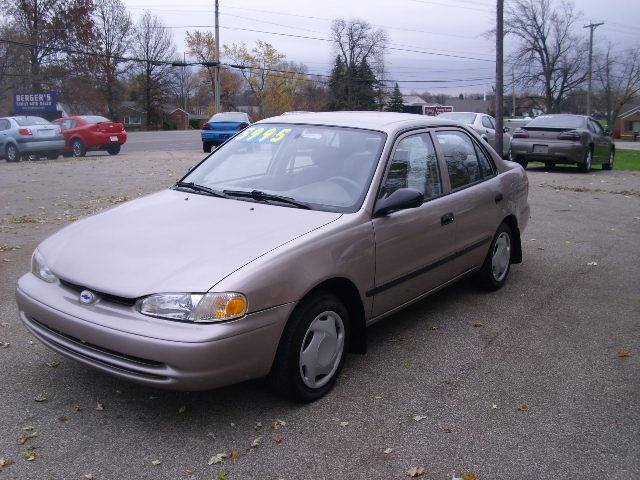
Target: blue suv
221 127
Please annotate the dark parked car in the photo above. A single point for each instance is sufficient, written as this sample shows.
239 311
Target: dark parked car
27 136
570 139
85 133
221 127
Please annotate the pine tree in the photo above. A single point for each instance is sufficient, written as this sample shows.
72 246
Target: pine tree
396 103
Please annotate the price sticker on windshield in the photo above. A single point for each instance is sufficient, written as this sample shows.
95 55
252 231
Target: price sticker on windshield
263 135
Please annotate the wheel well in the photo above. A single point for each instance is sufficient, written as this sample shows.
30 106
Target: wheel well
516 252
350 296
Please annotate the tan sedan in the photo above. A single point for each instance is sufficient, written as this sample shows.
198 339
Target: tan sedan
273 255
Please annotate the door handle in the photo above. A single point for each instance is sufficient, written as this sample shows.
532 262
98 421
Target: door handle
499 198
446 219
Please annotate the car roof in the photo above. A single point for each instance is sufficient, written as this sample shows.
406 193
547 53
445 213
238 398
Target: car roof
387 122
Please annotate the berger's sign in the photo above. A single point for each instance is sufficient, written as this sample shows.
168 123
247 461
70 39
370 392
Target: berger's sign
433 110
26 103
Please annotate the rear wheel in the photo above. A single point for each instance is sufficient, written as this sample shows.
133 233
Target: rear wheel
609 164
77 148
585 166
522 161
549 165
12 153
312 349
495 269
113 149
206 147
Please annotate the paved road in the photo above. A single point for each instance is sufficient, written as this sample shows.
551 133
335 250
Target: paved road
176 140
466 361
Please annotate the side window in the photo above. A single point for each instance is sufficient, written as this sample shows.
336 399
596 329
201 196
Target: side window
486 165
5 125
414 165
486 123
463 163
596 127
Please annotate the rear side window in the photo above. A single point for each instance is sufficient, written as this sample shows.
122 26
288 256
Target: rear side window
466 163
5 124
486 123
414 165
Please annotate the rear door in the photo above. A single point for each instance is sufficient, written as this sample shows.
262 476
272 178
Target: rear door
5 126
414 247
475 196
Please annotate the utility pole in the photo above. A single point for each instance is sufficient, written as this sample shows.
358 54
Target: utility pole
513 92
499 75
217 67
592 26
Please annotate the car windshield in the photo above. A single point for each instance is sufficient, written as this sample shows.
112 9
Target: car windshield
28 121
324 168
95 119
557 121
460 117
229 117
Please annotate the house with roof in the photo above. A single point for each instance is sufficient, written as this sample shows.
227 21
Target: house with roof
627 126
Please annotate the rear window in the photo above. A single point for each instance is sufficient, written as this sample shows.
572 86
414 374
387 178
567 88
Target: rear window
229 117
28 121
460 117
559 121
95 119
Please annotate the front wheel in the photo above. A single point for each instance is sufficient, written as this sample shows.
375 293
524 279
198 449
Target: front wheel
113 149
312 349
78 149
609 164
495 269
585 166
206 147
12 153
549 165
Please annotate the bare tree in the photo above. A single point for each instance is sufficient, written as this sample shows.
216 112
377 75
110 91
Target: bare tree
113 30
153 46
618 75
549 56
49 27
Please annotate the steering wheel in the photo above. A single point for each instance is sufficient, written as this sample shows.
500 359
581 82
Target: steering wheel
346 183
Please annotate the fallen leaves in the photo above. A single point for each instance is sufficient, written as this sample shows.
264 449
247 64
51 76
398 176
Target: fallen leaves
622 353
8 248
478 324
276 424
592 264
156 462
258 425
29 455
523 407
415 472
99 406
255 443
182 409
5 462
76 408
398 339
419 418
40 398
217 458
387 451
344 424
53 364
27 436
5 344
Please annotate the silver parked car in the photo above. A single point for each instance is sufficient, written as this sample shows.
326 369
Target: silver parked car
485 125
21 137
273 255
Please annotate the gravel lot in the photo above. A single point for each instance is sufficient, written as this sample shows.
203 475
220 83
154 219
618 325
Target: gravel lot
524 383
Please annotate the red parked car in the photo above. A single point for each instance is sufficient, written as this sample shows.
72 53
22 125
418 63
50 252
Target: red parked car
85 133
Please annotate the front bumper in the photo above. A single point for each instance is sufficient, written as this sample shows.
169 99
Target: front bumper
160 353
561 152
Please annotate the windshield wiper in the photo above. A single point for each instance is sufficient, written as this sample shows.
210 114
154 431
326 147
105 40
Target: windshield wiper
267 197
200 188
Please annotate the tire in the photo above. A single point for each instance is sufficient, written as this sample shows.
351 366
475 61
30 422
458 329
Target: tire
549 165
77 148
320 323
113 149
523 162
206 147
585 166
609 164
509 156
495 270
12 154
53 155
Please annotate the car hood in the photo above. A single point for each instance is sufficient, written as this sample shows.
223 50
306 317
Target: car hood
172 241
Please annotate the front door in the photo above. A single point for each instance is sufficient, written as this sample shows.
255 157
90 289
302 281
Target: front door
414 246
601 142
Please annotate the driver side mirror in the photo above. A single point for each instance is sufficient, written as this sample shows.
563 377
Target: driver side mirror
401 199
506 129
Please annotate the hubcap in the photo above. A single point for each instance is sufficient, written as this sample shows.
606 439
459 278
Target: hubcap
501 256
12 153
322 349
588 162
76 149
612 155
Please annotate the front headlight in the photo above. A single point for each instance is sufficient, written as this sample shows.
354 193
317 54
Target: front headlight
39 268
194 307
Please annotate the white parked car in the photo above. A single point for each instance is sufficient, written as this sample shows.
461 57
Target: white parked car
485 125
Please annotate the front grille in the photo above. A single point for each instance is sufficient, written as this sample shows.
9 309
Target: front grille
105 296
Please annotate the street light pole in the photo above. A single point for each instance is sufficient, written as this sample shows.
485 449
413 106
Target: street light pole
591 27
499 76
217 67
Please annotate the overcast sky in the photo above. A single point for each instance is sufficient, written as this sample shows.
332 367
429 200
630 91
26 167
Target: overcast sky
437 31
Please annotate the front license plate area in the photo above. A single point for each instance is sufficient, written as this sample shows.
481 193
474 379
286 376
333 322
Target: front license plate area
114 138
540 149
